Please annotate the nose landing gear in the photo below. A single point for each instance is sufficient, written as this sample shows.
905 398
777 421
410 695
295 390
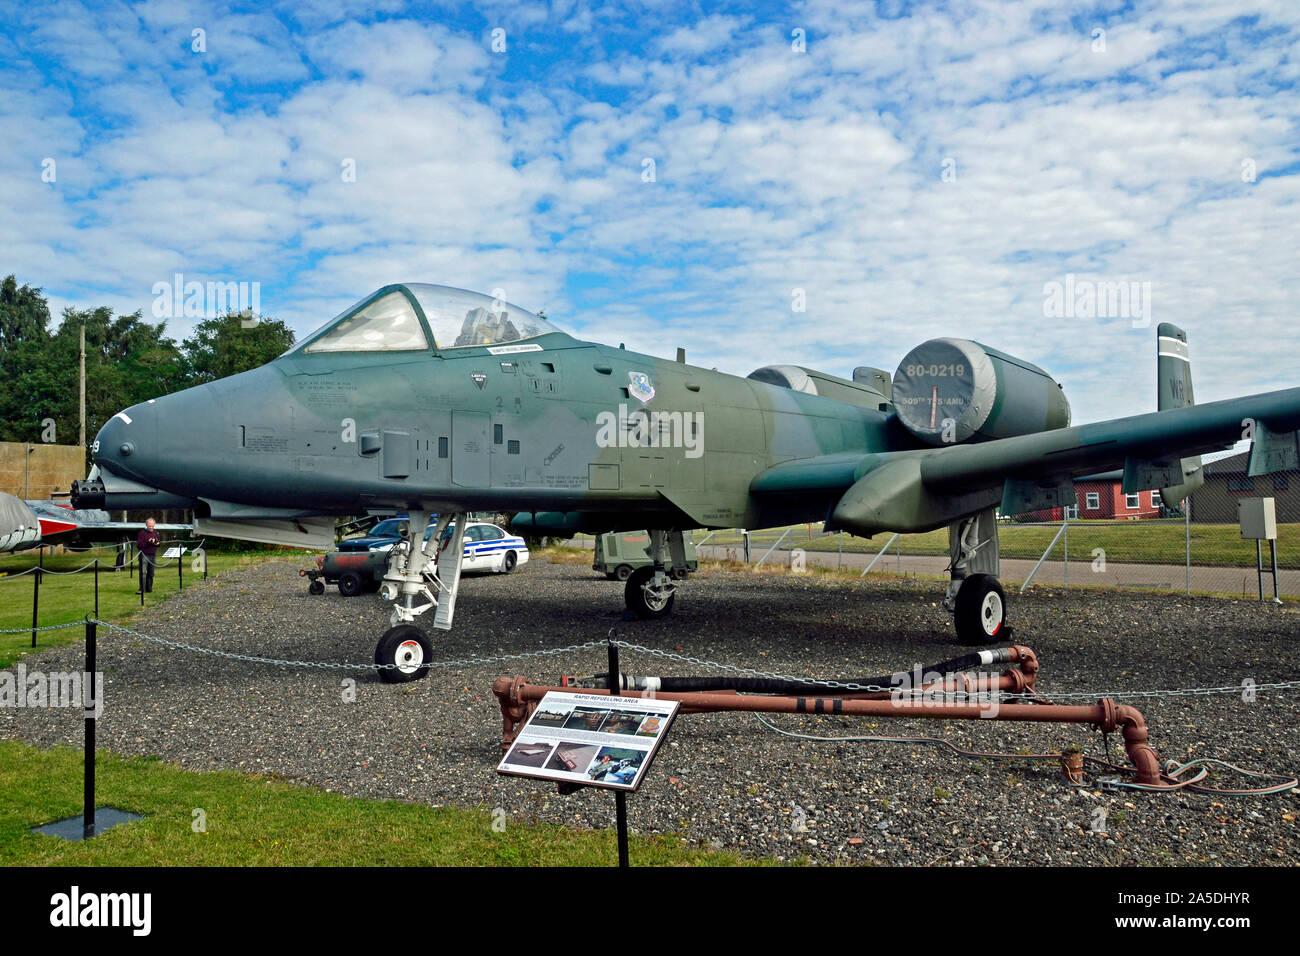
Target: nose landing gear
415 585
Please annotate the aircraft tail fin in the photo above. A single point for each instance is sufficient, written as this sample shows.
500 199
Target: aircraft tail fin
1174 388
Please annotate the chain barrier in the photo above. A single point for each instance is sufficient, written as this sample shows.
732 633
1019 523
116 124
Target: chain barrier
43 627
34 568
811 682
45 571
334 665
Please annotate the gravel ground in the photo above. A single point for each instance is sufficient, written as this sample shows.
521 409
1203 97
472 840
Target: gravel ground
722 779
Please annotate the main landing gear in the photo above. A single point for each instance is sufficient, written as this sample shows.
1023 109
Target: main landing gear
650 590
415 583
975 597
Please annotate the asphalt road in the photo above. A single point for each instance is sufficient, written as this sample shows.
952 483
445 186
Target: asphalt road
1082 572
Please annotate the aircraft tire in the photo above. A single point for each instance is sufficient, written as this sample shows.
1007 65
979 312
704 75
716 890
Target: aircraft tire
981 613
404 644
634 596
317 588
350 584
680 574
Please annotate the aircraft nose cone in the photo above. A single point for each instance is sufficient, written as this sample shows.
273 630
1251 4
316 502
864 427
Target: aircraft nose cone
125 440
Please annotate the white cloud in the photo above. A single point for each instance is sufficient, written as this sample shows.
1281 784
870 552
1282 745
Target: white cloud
774 170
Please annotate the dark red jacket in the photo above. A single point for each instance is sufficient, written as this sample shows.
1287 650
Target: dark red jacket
147 542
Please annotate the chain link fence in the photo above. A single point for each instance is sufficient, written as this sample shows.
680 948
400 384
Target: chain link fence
1109 540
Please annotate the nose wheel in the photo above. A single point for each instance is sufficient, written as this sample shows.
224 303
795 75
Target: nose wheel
402 654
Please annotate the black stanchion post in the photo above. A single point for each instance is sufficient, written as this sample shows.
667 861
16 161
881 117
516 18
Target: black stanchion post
91 703
36 600
180 574
141 557
620 797
97 587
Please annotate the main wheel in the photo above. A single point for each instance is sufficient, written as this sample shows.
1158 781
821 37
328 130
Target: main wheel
317 587
642 602
350 584
981 612
406 647
508 562
679 574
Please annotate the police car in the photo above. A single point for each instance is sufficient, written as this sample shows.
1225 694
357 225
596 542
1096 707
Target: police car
489 548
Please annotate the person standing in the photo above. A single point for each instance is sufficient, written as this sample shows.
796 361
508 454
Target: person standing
147 544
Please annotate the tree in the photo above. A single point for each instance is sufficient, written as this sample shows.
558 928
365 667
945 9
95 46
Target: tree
128 361
24 333
233 343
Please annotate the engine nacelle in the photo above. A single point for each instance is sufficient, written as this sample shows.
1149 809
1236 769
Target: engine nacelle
951 390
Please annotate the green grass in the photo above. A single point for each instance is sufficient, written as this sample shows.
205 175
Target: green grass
66 598
257 821
1139 542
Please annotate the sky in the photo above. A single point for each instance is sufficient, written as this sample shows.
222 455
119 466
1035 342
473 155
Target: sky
817 183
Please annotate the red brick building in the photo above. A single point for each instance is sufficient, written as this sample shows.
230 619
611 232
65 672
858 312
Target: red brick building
1101 497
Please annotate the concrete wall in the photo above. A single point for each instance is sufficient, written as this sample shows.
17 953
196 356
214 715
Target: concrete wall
37 471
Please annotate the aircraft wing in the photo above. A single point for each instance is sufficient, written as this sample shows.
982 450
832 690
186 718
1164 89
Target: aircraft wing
923 489
60 524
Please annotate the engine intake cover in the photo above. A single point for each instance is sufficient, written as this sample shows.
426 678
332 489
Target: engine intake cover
951 390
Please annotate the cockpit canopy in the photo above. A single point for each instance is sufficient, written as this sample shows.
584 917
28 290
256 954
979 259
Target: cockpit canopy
400 318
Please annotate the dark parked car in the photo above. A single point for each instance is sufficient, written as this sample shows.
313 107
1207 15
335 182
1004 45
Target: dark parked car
388 531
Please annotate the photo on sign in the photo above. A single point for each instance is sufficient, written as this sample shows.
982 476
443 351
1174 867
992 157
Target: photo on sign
529 753
554 717
572 757
623 723
616 765
586 718
650 727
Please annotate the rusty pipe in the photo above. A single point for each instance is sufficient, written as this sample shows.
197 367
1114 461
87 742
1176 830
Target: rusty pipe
518 698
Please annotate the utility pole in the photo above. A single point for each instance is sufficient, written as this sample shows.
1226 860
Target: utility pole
81 434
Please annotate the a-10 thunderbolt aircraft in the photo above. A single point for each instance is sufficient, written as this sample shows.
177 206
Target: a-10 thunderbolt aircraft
433 400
